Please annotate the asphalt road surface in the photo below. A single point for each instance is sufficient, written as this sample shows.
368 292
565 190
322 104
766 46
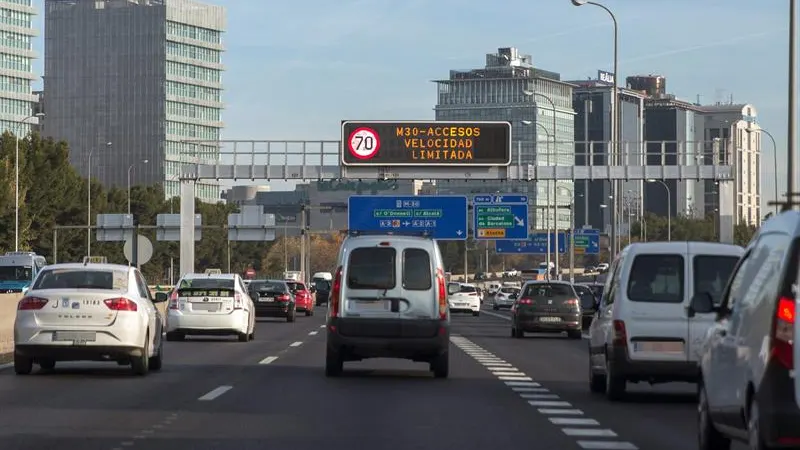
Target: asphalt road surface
271 393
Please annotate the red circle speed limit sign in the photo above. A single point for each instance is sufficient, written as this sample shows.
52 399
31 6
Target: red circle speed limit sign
364 143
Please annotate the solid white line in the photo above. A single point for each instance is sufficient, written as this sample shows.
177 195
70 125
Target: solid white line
515 378
312 333
523 383
268 360
589 432
550 403
296 344
607 445
215 393
573 421
562 412
539 396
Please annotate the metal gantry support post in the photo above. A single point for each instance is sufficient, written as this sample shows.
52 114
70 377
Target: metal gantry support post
303 268
187 227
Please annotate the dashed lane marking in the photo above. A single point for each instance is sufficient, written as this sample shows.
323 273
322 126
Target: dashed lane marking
296 344
268 360
561 413
214 393
322 326
312 333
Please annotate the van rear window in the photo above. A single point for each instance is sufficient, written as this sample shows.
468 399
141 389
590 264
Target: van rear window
416 269
656 279
711 274
372 268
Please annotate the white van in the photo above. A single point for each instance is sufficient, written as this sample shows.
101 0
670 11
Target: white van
642 330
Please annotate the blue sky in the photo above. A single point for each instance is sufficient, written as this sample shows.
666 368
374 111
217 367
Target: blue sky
296 68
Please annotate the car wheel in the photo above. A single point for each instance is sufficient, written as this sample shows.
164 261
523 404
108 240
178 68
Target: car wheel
597 382
496 308
291 315
755 437
309 312
334 364
47 364
157 361
440 365
574 334
22 365
140 365
476 313
615 385
173 336
708 437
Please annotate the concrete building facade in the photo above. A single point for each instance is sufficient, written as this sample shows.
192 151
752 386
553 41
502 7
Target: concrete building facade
17 102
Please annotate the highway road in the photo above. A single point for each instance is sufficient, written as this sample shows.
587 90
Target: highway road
502 393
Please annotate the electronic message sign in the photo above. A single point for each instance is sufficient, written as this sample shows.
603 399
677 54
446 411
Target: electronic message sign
419 143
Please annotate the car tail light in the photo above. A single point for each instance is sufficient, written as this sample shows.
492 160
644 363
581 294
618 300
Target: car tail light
571 302
525 301
620 334
336 290
237 301
442 285
783 332
120 304
283 298
173 300
31 303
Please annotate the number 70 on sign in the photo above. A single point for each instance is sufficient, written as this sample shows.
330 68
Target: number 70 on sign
364 143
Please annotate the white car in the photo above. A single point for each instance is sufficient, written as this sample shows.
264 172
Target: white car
211 305
505 297
463 297
88 312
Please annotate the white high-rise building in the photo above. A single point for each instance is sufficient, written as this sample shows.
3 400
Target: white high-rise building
16 66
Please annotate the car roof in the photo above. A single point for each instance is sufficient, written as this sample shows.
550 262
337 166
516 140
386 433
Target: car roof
215 276
683 246
92 266
549 282
786 222
375 239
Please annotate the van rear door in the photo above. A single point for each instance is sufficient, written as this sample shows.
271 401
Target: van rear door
391 285
655 320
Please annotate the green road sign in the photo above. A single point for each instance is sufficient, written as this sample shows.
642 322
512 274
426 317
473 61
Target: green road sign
494 216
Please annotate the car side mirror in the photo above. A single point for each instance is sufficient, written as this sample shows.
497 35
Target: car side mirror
25 290
701 303
313 289
160 297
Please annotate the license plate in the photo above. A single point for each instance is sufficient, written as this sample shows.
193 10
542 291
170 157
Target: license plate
266 299
661 347
210 307
378 305
76 337
550 319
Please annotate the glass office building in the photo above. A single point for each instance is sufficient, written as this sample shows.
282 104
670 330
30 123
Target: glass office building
509 88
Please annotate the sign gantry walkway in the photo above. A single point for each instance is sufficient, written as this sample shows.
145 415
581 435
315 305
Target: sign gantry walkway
380 150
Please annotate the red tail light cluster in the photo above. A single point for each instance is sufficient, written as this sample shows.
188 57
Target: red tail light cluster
783 333
336 290
173 300
31 303
525 301
120 304
620 333
238 302
571 302
283 298
441 283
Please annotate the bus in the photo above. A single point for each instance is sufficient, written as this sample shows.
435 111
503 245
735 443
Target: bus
18 270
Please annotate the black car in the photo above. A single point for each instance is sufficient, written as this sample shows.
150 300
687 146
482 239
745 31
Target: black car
547 306
273 298
589 300
323 291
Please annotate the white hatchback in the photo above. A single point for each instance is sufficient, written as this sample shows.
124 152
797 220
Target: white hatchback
88 312
211 305
463 297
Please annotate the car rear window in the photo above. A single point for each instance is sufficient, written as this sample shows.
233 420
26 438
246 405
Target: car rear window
372 268
206 287
112 280
711 274
322 285
656 279
468 289
509 290
295 286
416 269
546 290
267 286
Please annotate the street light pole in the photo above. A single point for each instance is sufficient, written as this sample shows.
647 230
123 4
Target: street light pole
774 160
669 207
544 213
791 145
16 178
129 183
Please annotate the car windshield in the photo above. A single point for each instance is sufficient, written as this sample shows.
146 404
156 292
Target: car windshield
112 280
322 285
15 273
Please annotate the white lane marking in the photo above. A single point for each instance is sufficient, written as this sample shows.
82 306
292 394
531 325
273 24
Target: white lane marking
268 360
496 369
126 443
312 333
215 393
604 432
550 403
539 396
509 373
296 344
515 378
522 384
499 316
529 389
607 445
573 421
322 326
560 412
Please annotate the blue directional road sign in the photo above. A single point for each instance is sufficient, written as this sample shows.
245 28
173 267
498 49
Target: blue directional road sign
535 245
443 217
500 217
587 241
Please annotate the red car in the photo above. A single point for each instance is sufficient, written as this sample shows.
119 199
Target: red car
303 299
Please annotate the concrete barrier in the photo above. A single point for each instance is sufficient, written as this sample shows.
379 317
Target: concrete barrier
8 312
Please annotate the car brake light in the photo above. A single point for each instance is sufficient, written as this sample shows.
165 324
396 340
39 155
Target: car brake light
571 302
783 332
336 289
31 303
237 301
525 301
120 304
173 300
283 298
620 334
442 286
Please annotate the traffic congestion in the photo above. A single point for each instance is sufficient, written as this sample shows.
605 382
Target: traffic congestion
687 345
